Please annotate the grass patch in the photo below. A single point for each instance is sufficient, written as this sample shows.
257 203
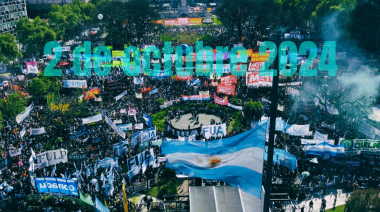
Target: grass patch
167 184
153 192
337 209
186 39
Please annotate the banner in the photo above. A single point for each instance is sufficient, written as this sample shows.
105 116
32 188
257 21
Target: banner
157 142
22 132
59 107
139 95
92 119
154 91
255 66
183 78
15 152
79 157
20 117
138 126
78 133
3 164
256 57
113 86
283 158
254 79
148 120
120 148
37 131
74 83
324 148
117 53
143 90
160 75
31 67
320 137
312 141
195 21
100 207
170 22
126 127
52 157
370 158
108 162
195 97
221 101
298 130
214 130
120 95
341 163
132 112
56 185
235 107
114 127
143 136
183 21
228 80
204 93
226 89
90 94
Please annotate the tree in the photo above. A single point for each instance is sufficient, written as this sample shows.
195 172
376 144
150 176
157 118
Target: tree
34 35
367 200
8 48
1 120
253 111
37 87
12 105
236 14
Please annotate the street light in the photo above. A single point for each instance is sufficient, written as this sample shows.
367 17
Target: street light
100 16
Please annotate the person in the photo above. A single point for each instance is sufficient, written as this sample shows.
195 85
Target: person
311 204
323 206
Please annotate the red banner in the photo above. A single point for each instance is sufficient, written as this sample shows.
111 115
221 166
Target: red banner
143 90
196 21
90 94
255 79
221 101
226 89
228 80
256 57
183 21
255 66
183 78
170 22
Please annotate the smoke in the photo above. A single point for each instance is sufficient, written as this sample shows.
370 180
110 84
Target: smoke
331 29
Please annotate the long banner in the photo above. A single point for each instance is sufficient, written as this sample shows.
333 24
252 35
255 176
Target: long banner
52 157
20 117
143 136
195 97
108 162
114 127
78 134
325 148
120 95
15 152
341 163
214 130
79 157
74 83
115 86
56 185
221 101
226 89
126 127
92 119
235 107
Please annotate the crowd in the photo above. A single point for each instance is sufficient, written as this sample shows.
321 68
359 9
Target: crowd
98 142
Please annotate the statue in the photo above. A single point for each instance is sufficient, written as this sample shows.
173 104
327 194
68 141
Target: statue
183 3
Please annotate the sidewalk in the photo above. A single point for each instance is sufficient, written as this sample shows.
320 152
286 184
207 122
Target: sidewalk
317 200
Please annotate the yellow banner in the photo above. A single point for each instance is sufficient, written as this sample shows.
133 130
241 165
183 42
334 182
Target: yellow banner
117 53
60 107
125 201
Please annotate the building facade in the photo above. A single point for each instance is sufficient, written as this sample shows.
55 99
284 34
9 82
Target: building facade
10 12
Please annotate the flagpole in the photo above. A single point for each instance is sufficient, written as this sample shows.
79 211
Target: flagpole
272 128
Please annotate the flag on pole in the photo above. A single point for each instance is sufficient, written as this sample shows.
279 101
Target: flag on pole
125 201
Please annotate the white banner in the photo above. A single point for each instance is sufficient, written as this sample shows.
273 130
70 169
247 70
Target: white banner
31 67
139 126
214 130
235 107
20 117
320 137
23 131
161 159
139 95
74 83
312 141
138 81
91 119
298 130
120 95
15 152
37 131
114 127
52 157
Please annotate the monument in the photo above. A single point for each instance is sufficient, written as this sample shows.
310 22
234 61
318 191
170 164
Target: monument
183 8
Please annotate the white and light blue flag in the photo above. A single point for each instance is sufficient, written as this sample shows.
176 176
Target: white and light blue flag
148 120
237 160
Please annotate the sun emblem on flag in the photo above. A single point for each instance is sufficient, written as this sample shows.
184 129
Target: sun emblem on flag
214 161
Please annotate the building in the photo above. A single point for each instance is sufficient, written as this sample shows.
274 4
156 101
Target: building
11 12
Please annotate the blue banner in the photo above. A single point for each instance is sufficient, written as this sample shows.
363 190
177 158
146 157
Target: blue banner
325 148
195 97
56 185
148 120
74 83
340 163
125 127
282 157
78 134
108 162
154 91
99 206
161 75
143 136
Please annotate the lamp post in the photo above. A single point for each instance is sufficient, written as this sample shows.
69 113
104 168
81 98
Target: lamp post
272 129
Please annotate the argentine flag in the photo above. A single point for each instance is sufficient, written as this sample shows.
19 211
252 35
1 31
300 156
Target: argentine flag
237 160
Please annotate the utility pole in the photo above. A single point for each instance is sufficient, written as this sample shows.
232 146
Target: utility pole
272 129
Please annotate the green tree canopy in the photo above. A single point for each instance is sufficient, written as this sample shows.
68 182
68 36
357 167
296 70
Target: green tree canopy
8 48
364 201
34 35
253 110
12 105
